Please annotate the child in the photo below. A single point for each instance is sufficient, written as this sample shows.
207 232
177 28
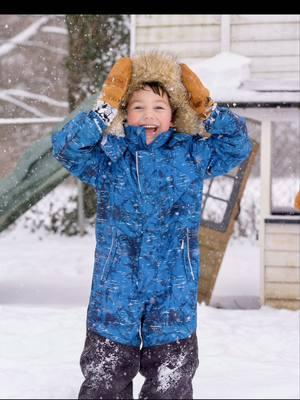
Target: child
142 152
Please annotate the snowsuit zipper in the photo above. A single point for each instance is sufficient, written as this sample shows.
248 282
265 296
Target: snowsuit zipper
137 170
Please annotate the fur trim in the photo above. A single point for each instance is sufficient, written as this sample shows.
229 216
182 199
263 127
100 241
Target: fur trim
164 68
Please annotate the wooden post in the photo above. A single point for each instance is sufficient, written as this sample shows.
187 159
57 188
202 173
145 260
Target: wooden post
265 193
225 33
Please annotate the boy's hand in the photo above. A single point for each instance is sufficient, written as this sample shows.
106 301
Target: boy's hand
297 202
198 94
116 83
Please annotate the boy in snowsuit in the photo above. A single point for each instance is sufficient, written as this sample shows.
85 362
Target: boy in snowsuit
140 148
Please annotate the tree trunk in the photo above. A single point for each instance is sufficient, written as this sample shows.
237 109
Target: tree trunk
95 42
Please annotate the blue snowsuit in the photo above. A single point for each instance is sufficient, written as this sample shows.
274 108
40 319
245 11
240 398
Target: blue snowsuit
147 261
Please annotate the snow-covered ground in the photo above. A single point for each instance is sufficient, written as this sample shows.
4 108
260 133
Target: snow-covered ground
45 281
243 354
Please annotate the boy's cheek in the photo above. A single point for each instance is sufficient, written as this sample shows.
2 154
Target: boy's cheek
132 118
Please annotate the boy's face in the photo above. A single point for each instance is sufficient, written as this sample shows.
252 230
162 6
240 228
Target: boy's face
150 110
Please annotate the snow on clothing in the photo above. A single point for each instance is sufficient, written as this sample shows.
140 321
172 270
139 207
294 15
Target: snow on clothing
146 267
109 368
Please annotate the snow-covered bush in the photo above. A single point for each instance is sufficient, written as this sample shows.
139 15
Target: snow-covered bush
56 213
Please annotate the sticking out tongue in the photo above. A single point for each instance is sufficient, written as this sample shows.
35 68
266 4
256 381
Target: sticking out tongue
151 134
151 131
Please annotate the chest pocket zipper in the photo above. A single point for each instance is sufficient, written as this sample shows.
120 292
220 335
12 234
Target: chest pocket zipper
137 169
185 248
110 258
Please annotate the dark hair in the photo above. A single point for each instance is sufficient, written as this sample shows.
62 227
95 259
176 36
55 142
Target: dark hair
156 87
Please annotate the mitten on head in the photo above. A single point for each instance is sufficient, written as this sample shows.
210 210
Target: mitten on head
116 83
199 98
297 202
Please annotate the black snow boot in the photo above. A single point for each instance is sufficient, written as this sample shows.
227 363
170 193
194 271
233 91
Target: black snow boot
108 368
169 369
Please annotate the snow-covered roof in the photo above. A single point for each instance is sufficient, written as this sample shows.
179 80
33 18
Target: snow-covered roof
228 77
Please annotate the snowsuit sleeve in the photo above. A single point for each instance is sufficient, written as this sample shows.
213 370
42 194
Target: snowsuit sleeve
77 147
228 145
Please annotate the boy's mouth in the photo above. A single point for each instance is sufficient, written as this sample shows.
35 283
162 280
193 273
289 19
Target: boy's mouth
151 129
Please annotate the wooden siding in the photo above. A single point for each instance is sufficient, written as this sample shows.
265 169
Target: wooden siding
289 304
204 48
270 41
281 241
282 290
279 258
188 36
290 229
282 265
176 19
281 274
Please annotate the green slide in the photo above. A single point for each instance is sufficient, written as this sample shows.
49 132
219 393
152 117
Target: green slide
36 174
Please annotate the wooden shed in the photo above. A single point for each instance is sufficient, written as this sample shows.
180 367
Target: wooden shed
279 232
271 42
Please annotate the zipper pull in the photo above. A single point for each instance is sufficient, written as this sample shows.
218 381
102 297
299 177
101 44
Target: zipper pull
182 244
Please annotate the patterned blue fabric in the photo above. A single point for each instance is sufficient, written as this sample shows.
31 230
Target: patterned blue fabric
147 261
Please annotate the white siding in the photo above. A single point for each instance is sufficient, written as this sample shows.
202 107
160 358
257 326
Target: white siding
188 36
282 265
272 42
178 20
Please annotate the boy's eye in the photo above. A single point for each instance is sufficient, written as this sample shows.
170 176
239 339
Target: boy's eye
137 107
159 108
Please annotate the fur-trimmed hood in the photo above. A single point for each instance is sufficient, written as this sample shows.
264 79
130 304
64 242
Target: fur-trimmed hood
164 68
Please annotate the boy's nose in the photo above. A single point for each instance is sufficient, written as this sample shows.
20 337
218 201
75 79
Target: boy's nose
148 117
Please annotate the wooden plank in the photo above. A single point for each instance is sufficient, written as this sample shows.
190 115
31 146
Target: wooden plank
274 290
263 19
213 243
275 75
283 228
212 239
177 20
167 34
271 85
283 303
225 32
282 274
274 64
187 49
265 169
282 258
277 241
261 64
270 31
266 48
192 60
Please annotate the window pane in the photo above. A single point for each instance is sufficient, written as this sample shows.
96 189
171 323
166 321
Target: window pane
285 164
